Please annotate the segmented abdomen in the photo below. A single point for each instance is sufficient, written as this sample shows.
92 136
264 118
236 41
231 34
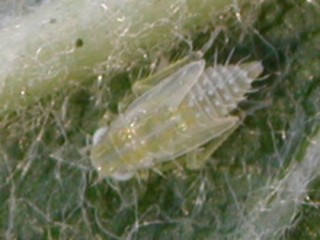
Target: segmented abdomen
221 88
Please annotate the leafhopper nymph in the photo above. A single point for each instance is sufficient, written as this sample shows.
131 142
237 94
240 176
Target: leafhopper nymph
187 109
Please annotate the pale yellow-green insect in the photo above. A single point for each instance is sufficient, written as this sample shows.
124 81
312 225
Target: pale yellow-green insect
189 108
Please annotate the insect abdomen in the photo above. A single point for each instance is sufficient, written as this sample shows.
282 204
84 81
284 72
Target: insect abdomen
221 88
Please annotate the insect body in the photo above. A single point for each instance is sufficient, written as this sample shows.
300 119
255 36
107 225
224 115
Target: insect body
184 111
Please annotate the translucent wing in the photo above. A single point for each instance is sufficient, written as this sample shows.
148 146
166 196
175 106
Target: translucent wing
201 135
171 91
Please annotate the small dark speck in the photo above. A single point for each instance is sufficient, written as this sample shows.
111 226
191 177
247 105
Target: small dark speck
52 20
79 43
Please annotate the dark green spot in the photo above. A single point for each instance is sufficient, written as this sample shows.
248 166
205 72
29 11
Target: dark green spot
79 43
